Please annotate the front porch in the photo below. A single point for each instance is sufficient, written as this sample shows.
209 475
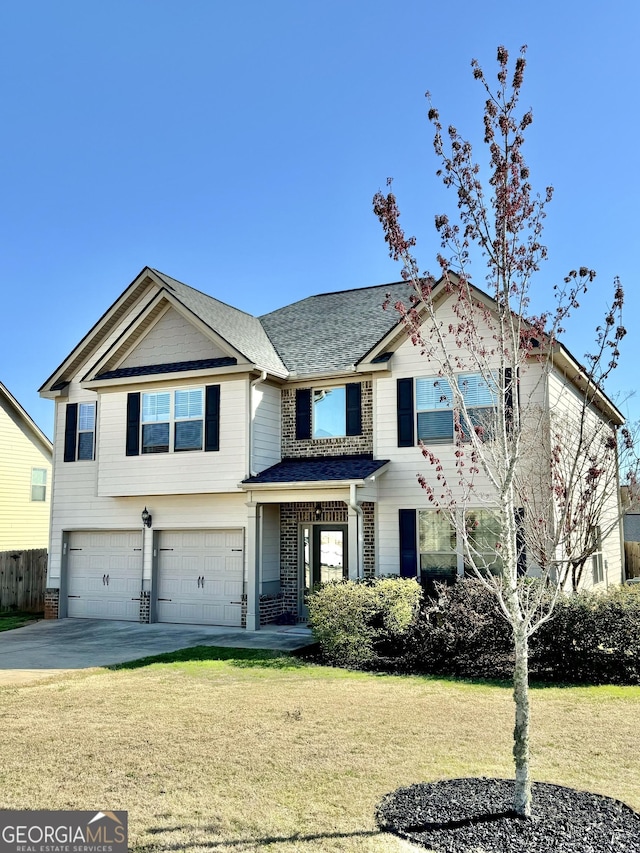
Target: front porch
307 531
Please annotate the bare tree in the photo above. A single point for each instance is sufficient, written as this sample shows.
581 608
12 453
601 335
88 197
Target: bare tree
535 440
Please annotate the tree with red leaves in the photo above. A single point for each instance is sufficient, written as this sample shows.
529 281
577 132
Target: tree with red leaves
544 458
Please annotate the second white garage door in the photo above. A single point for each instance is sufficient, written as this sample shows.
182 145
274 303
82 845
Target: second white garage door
200 577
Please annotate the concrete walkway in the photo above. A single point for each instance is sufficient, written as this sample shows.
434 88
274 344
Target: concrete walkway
48 648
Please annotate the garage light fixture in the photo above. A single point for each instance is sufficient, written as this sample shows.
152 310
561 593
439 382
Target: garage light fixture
318 512
146 517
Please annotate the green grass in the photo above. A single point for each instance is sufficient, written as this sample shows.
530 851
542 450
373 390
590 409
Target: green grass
229 750
16 619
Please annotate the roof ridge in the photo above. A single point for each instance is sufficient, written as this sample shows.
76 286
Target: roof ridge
165 276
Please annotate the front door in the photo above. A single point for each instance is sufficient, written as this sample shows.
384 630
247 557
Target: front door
325 557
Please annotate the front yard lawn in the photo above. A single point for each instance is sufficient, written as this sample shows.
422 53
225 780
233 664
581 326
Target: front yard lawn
225 750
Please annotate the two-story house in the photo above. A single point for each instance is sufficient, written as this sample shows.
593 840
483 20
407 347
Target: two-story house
25 478
211 466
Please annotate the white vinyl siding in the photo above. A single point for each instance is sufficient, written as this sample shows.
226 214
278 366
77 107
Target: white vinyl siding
172 339
174 473
267 427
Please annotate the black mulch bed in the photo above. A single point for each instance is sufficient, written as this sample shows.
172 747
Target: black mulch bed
476 816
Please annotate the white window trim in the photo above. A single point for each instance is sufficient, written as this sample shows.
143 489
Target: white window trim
39 485
172 420
460 378
314 391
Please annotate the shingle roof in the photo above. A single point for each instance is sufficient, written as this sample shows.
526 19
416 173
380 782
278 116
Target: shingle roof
332 331
315 470
170 367
241 330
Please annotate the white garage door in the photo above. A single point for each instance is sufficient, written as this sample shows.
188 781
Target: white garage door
104 572
200 575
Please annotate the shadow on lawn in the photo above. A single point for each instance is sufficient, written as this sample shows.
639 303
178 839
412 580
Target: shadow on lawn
243 658
239 844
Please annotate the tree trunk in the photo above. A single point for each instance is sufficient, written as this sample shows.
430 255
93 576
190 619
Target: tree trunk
522 797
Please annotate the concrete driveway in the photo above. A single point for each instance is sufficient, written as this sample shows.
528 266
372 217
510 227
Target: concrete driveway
47 648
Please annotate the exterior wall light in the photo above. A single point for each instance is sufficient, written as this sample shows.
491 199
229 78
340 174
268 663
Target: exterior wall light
146 517
318 512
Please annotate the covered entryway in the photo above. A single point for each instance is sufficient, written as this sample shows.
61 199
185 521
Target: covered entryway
104 574
200 577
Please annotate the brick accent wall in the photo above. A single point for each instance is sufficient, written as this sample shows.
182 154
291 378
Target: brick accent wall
294 514
350 445
291 516
368 530
51 603
271 607
145 606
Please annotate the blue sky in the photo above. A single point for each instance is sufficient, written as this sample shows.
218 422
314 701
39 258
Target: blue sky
237 146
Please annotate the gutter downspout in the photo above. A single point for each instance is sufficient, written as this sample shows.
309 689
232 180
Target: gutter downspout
254 383
355 506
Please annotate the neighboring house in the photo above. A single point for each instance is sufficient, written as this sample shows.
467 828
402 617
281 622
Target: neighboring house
266 454
26 456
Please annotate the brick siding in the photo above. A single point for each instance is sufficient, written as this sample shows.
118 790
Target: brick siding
51 603
292 515
350 445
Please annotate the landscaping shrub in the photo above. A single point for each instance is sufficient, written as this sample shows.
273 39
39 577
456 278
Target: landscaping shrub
362 624
461 632
592 638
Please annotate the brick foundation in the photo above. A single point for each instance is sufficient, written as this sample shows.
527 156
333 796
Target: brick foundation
51 603
145 606
271 609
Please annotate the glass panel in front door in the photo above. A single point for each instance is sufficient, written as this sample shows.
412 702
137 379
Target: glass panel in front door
331 555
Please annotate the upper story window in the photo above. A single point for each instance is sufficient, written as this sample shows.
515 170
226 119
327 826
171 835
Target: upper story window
38 484
330 412
428 410
80 432
172 421
86 430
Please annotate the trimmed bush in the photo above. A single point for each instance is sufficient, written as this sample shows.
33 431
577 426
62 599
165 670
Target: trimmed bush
363 624
592 638
461 632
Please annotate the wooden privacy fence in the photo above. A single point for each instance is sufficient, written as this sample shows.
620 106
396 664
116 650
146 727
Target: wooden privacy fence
23 578
632 559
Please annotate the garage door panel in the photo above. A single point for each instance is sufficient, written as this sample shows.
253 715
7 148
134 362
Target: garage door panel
104 574
200 574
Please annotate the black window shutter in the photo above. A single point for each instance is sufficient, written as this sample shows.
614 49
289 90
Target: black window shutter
212 418
70 432
133 424
408 544
303 413
354 408
405 413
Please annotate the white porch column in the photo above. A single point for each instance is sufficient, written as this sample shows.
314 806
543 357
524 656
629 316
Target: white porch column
253 569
